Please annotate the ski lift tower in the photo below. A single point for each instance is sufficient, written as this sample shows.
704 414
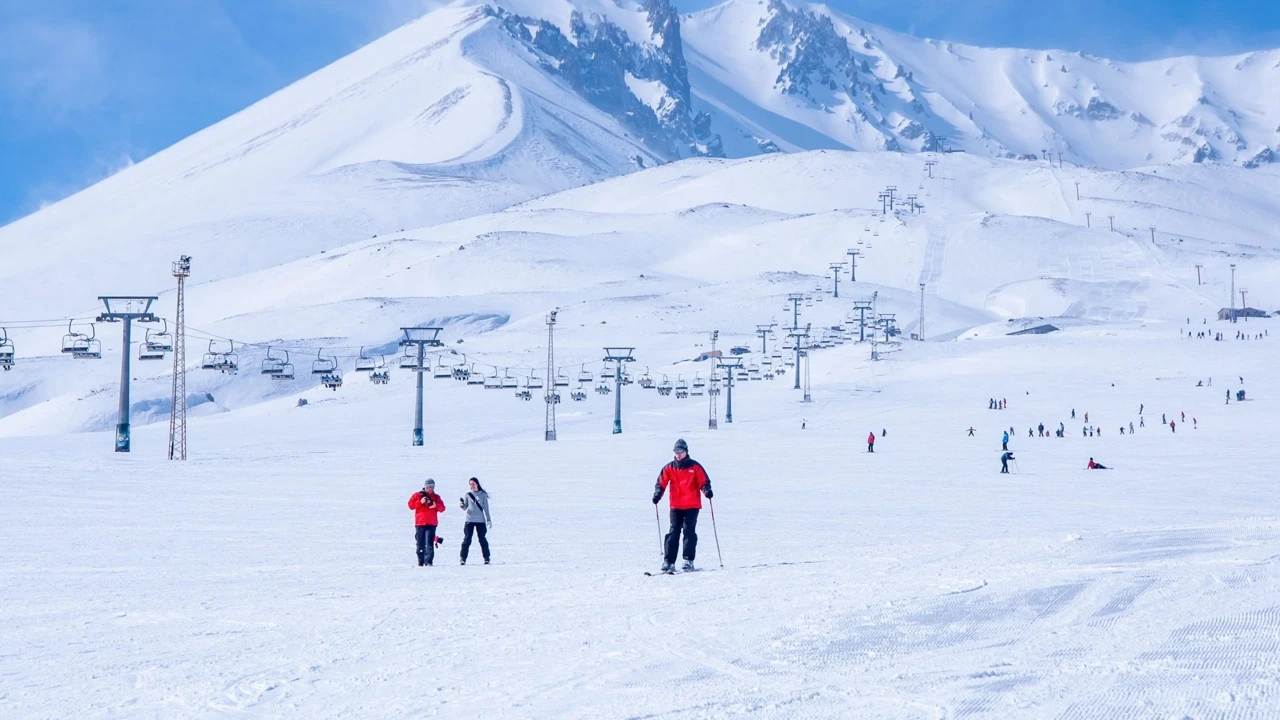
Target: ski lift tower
795 299
713 391
889 320
836 267
729 365
552 393
807 356
862 306
620 356
125 308
178 411
421 338
796 337
764 331
853 254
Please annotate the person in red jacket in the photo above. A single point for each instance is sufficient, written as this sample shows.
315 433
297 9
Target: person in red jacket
426 506
685 478
871 442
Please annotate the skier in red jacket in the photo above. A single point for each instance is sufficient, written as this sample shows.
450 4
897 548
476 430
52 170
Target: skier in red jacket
685 477
871 442
426 506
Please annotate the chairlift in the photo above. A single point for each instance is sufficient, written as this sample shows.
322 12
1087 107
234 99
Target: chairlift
332 380
230 360
442 371
555 398
741 374
272 365
562 380
323 365
808 302
380 377
462 372
698 382
409 360
578 394
6 350
608 373
603 388
665 387
585 376
509 382
159 342
364 363
83 347
524 394
286 370
534 382
768 375
493 383
146 353
753 371
767 362
478 379
682 388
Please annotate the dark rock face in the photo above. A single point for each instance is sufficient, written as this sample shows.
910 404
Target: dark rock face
597 60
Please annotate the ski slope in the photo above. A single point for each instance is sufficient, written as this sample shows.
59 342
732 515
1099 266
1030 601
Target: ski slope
273 574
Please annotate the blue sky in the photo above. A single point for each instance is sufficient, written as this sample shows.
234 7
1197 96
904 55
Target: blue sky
89 86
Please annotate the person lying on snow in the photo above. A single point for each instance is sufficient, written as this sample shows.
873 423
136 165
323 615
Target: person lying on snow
1096 465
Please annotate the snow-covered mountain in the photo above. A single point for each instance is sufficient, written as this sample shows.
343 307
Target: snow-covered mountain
777 74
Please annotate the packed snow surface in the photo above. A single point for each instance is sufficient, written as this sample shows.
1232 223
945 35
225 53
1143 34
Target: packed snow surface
274 574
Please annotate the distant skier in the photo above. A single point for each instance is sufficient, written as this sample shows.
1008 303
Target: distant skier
1162 420
1173 426
1086 417
1121 429
802 424
1184 418
426 506
871 442
884 432
476 505
970 431
1004 443
1142 422
1194 424
686 478
1141 407
1130 428
1031 432
1073 413
1040 429
1004 462
1095 465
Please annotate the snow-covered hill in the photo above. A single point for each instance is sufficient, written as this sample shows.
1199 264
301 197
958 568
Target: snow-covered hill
794 75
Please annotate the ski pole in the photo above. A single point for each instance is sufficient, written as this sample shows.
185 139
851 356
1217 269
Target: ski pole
1016 468
714 531
661 550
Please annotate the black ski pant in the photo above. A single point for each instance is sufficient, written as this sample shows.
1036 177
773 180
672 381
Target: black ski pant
686 521
871 447
425 536
479 529
1004 445
1004 467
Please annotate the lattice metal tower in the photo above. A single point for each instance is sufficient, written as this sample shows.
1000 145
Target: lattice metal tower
551 393
713 392
178 411
806 356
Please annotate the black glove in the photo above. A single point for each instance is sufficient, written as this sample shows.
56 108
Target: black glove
706 490
656 497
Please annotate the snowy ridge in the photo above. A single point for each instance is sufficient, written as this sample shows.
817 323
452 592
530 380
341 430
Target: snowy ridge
800 76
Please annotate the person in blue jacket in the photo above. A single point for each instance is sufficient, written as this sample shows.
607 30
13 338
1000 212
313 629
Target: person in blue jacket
1004 462
1004 444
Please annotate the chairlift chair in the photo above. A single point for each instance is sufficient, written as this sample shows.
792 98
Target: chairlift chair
493 383
231 361
534 382
74 341
646 381
323 365
364 363
159 342
578 394
509 382
607 373
146 353
286 371
442 371
380 377
562 380
6 350
665 387
475 378
698 382
409 360
585 376
603 388
272 365
682 384
332 380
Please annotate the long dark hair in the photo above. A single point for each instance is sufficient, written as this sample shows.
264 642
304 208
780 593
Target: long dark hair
479 487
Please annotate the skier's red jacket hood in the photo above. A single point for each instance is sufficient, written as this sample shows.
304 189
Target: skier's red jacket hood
423 515
684 478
